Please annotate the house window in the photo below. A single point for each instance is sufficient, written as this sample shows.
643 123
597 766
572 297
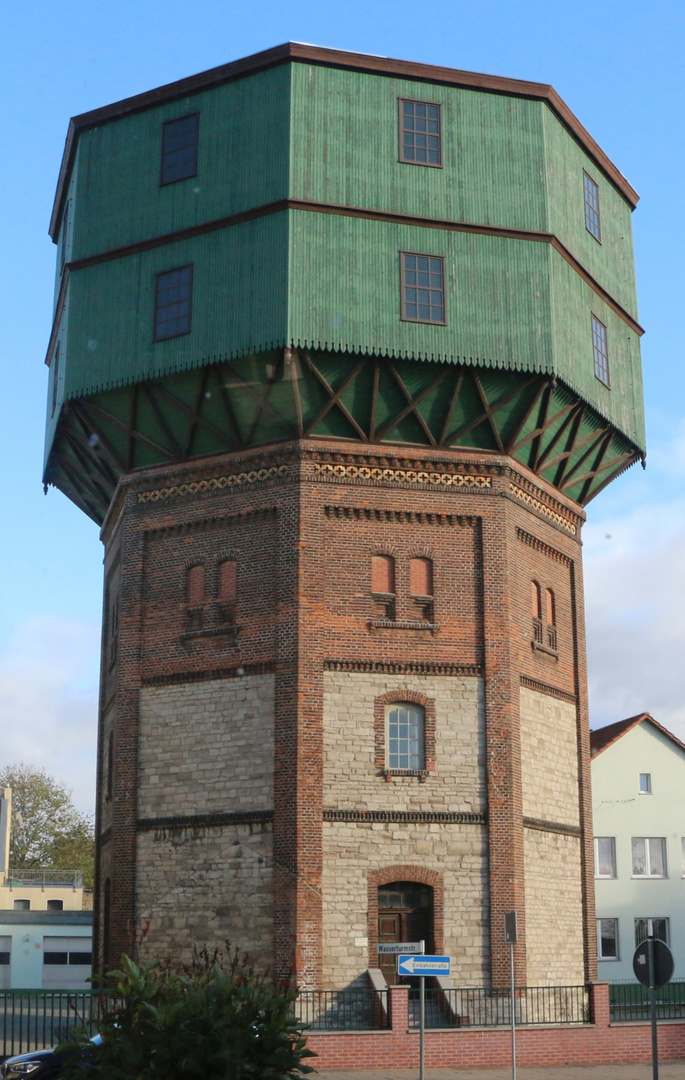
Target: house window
605 857
660 930
591 192
649 856
645 783
607 939
55 905
600 350
405 737
179 148
423 288
173 299
22 905
420 134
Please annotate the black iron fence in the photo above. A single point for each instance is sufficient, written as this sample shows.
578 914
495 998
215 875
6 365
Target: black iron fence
485 1007
630 1001
38 1019
344 1010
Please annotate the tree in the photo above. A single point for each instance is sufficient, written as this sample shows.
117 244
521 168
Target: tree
215 1019
47 831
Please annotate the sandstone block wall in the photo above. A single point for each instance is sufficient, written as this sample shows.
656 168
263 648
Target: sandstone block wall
554 910
549 758
207 747
204 886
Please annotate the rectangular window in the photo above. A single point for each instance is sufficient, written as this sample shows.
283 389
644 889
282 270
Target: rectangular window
179 148
600 350
55 378
405 737
607 939
420 134
660 930
173 298
423 288
605 857
646 783
649 856
591 192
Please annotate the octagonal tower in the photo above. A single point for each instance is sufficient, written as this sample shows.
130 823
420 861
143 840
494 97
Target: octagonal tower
342 347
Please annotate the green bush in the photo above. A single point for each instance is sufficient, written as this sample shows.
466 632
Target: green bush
209 1020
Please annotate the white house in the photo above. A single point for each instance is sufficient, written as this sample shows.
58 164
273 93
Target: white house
638 786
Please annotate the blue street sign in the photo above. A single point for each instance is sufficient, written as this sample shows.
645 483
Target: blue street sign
423 965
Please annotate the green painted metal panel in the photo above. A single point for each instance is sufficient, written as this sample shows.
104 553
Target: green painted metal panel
239 305
610 262
573 305
345 149
242 163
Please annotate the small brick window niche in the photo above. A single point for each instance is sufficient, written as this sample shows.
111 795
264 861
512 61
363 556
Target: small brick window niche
421 585
227 589
195 594
383 583
543 610
404 732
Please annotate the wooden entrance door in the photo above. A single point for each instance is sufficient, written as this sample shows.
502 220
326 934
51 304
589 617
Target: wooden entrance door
405 913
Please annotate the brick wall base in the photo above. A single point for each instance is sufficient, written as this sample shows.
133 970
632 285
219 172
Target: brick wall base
471 1048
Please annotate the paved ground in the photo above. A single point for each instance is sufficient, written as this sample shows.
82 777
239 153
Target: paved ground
668 1070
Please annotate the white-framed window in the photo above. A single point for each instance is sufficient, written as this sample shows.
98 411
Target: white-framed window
649 856
645 783
405 737
660 929
605 857
607 939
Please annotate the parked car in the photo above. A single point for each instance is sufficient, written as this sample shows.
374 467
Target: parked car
41 1064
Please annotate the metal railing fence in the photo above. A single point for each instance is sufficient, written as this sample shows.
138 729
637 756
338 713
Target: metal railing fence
630 1001
343 1010
42 879
485 1007
40 1019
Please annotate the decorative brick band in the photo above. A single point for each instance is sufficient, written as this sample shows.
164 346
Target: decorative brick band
205 821
217 483
558 518
551 826
365 513
265 668
383 667
329 471
223 520
403 624
408 817
551 691
540 545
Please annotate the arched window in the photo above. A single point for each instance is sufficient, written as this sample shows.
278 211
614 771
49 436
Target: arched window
195 586
550 608
227 586
421 577
405 740
535 600
383 574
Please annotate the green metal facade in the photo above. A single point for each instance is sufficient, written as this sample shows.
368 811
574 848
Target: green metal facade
294 225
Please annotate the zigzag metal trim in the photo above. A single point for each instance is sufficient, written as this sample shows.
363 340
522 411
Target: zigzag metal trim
326 471
217 483
553 515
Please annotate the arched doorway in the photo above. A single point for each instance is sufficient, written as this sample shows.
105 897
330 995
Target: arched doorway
405 913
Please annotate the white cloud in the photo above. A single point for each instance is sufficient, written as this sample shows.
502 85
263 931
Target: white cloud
635 616
49 701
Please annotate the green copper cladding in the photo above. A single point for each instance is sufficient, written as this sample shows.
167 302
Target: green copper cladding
294 227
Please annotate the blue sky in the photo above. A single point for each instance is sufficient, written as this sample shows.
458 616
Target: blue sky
618 65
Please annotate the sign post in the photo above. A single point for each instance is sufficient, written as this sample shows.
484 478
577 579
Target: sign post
511 937
653 967
423 967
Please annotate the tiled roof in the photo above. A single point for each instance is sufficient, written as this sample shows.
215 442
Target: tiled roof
603 737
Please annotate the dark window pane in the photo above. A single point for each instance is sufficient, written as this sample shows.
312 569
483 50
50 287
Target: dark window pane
173 303
420 133
4 958
55 958
179 148
80 958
